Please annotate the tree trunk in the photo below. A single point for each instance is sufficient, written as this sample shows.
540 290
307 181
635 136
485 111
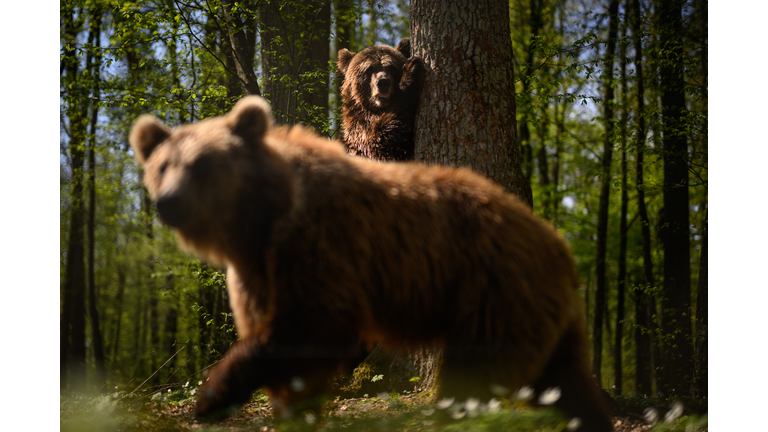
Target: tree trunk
621 285
676 300
543 165
118 311
171 327
644 302
295 48
526 149
98 340
73 308
468 118
602 215
345 38
700 384
241 36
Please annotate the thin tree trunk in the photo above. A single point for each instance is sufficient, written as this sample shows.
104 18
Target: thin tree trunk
541 158
118 311
526 149
98 340
645 304
621 285
676 301
467 50
241 35
602 214
700 384
171 327
345 38
73 309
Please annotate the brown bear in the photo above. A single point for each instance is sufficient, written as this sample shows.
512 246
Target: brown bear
325 251
380 95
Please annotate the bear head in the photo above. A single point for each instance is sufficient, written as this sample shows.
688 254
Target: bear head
372 76
207 177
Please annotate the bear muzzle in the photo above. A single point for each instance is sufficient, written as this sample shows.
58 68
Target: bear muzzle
172 210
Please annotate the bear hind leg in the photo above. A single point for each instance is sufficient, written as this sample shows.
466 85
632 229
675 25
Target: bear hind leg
580 397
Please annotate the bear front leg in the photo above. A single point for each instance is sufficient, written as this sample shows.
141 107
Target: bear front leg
294 375
232 382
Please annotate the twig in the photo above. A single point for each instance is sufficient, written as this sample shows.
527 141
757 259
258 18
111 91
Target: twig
158 370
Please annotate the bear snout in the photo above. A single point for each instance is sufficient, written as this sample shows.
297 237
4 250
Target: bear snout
382 84
172 211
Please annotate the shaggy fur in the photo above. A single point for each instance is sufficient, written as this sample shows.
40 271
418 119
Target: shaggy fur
380 95
324 251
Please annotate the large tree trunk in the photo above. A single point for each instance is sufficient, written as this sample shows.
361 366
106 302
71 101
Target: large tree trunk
605 187
644 303
676 300
469 119
468 114
295 60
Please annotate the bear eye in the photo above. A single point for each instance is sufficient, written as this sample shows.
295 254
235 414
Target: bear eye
163 167
201 167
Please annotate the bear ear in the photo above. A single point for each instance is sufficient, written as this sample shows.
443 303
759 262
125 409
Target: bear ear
405 47
250 118
146 135
345 58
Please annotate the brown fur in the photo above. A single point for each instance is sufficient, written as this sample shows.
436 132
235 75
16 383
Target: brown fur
324 251
376 127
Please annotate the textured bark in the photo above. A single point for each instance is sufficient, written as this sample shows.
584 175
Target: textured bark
295 40
676 301
467 112
644 304
602 213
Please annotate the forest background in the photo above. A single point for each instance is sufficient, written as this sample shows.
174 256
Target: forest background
124 364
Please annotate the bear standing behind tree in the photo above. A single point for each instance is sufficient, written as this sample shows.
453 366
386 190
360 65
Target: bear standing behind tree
380 94
324 251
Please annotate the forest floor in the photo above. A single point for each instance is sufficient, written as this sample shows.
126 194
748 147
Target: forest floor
408 413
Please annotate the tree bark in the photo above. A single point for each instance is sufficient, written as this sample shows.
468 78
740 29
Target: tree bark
295 48
676 300
602 215
469 119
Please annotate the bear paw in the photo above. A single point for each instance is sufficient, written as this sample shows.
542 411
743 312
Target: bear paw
413 74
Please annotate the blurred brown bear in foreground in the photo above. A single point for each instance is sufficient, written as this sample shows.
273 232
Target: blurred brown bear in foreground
324 251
